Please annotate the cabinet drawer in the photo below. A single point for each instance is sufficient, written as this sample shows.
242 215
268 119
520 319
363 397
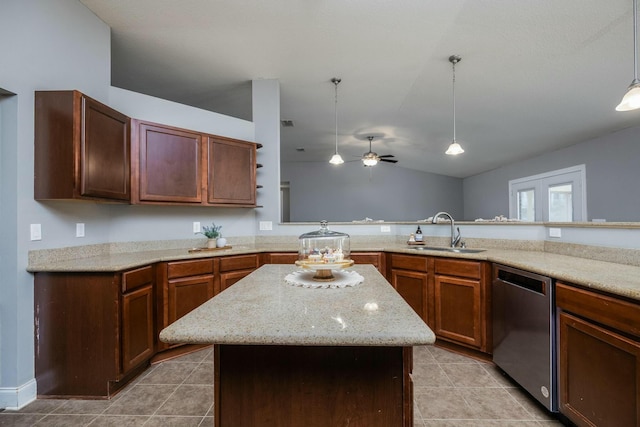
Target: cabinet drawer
366 258
604 309
240 262
189 268
283 258
135 278
459 268
409 262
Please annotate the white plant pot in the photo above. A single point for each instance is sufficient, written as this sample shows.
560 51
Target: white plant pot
221 242
211 243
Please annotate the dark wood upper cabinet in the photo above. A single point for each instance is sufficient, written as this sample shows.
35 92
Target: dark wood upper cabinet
179 166
82 149
231 172
168 164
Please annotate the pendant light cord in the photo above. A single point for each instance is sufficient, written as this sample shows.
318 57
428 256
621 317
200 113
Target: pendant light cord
454 99
336 81
635 41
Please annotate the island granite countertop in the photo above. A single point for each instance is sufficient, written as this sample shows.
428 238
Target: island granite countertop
264 309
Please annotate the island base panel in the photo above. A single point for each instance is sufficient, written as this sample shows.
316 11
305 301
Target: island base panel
312 386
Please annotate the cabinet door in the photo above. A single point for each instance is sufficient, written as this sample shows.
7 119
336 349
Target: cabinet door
412 286
599 375
170 164
458 314
232 172
105 163
137 327
282 258
228 279
188 293
374 258
81 149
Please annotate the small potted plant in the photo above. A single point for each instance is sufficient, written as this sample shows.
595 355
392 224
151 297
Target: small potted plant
213 234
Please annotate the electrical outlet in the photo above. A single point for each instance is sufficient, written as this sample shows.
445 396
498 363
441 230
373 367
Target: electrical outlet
385 228
79 229
196 227
555 232
266 225
36 232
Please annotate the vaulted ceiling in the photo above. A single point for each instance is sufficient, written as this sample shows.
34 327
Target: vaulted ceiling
535 76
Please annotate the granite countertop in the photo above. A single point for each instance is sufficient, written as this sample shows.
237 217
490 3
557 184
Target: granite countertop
263 309
620 279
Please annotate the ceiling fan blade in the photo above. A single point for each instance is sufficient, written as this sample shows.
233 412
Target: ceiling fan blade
387 155
388 160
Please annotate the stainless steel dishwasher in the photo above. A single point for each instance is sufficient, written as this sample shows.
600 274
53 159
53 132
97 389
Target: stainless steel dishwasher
524 331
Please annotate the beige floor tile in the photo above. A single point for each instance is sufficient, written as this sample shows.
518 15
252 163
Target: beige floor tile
421 354
535 408
13 419
169 373
498 375
142 399
120 421
441 403
479 423
494 404
79 407
430 375
65 420
446 356
468 375
164 421
192 400
41 406
202 374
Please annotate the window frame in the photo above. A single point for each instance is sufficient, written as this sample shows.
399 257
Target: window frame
574 175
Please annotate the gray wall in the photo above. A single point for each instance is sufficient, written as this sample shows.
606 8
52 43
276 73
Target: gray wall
60 44
319 190
612 171
45 44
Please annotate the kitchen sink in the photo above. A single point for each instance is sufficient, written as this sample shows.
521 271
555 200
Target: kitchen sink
445 249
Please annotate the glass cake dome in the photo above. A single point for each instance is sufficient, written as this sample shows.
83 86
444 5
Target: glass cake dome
323 250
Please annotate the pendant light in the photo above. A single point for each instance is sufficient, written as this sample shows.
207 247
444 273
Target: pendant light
631 99
336 159
455 148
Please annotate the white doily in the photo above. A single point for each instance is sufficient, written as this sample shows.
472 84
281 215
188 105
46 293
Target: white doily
343 278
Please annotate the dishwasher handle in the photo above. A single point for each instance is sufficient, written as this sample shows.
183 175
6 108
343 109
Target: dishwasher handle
522 279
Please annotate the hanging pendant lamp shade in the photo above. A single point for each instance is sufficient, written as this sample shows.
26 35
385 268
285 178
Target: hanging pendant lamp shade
631 99
336 159
454 148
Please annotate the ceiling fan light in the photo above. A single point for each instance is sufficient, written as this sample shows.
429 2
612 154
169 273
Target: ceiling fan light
454 149
370 161
336 159
631 99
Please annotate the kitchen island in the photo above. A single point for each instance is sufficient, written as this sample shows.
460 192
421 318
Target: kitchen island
286 355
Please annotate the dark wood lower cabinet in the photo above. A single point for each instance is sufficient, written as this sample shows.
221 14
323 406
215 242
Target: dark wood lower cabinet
93 331
599 369
409 276
290 386
458 314
138 335
182 286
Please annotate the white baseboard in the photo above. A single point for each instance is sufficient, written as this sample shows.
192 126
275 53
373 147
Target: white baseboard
18 397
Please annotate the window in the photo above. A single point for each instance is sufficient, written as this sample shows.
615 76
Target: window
556 196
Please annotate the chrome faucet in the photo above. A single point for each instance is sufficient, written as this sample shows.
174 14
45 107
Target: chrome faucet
455 238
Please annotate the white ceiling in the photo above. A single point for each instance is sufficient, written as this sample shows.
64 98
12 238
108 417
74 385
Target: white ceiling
534 76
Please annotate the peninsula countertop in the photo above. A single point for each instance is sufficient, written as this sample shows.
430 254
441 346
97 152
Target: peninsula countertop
616 278
262 309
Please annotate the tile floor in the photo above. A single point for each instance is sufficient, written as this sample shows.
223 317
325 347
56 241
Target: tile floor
450 390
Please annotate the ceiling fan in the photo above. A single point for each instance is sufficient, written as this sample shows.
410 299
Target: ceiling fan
371 159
